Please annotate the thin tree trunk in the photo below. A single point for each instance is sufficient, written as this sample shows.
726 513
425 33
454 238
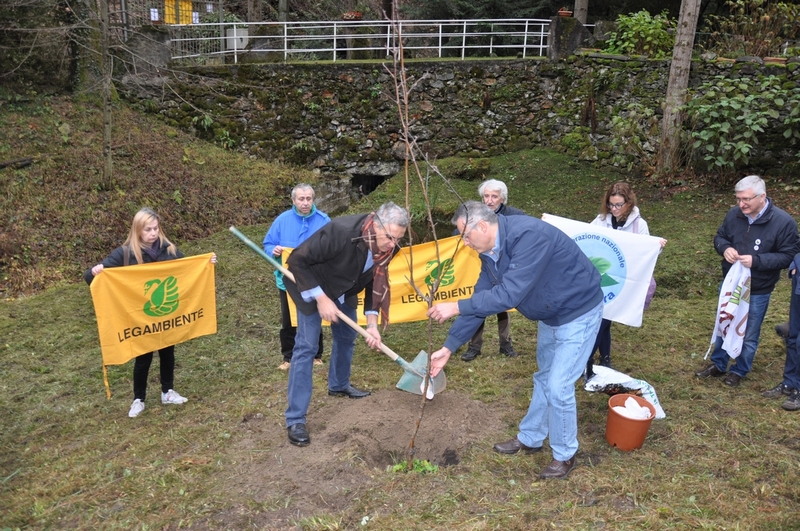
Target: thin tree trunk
669 156
85 67
388 8
581 10
283 10
108 70
254 10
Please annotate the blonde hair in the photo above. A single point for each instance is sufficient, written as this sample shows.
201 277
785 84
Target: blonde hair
134 243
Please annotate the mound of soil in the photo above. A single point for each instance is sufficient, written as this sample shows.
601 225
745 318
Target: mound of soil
350 440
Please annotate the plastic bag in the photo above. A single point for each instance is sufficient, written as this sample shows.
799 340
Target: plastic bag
613 382
633 410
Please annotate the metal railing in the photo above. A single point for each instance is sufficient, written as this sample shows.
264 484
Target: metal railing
369 39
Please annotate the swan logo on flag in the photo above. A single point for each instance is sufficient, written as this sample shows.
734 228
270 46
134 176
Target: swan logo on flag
609 260
445 269
163 296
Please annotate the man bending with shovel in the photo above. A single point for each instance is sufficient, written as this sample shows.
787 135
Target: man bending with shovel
330 268
532 266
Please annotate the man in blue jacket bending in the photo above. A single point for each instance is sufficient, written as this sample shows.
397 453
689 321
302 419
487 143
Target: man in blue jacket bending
532 266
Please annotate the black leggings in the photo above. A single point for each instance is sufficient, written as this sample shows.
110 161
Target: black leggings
141 367
603 344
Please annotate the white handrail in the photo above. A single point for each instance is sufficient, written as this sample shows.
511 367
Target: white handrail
336 40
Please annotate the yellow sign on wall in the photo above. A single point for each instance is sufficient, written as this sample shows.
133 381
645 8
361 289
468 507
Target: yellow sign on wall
184 11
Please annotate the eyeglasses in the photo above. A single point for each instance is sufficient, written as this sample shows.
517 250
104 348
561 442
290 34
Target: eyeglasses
465 234
612 206
391 238
746 199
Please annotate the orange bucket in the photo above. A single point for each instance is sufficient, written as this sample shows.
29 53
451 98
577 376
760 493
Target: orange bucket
625 433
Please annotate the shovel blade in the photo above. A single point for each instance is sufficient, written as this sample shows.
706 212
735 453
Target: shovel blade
412 382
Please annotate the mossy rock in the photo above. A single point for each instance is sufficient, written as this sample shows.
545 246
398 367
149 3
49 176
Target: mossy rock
470 169
576 141
495 151
519 144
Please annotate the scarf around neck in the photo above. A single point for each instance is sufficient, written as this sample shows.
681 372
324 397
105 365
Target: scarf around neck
381 292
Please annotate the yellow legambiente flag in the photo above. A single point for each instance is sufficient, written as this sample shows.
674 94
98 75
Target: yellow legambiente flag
459 274
146 307
458 279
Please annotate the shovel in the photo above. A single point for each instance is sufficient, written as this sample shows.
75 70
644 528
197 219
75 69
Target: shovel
413 379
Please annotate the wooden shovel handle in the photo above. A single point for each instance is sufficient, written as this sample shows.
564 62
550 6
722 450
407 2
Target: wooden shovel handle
355 326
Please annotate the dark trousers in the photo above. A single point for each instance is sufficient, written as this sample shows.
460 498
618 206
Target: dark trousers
503 330
141 367
288 332
603 344
791 369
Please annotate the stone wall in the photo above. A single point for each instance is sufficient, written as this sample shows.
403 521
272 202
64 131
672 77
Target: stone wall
342 118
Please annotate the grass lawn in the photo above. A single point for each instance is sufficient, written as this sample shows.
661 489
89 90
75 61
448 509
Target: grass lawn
722 459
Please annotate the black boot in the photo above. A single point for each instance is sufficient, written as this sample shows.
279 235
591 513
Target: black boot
589 368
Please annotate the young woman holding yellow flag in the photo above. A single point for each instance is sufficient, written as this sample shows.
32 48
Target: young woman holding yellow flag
146 243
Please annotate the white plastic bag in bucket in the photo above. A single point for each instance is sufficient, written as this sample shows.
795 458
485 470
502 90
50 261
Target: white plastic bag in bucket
611 382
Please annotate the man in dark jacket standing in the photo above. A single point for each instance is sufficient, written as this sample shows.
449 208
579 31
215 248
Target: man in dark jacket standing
532 266
494 194
331 267
763 238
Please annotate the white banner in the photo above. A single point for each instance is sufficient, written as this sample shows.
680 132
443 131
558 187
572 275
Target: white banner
625 262
732 310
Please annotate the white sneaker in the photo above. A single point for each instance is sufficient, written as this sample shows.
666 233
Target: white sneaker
136 408
172 397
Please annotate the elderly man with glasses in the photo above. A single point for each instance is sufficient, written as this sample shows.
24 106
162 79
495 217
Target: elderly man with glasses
349 255
764 239
532 266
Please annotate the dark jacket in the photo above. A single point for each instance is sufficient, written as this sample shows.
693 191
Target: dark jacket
117 259
506 210
772 240
540 271
332 258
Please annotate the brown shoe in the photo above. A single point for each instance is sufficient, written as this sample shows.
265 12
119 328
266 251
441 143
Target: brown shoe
711 370
732 379
513 446
559 469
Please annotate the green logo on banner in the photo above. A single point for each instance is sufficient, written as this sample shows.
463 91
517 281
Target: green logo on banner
603 266
446 266
163 296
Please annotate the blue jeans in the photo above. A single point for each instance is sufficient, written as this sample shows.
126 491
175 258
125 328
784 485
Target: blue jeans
791 370
306 344
561 354
744 362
